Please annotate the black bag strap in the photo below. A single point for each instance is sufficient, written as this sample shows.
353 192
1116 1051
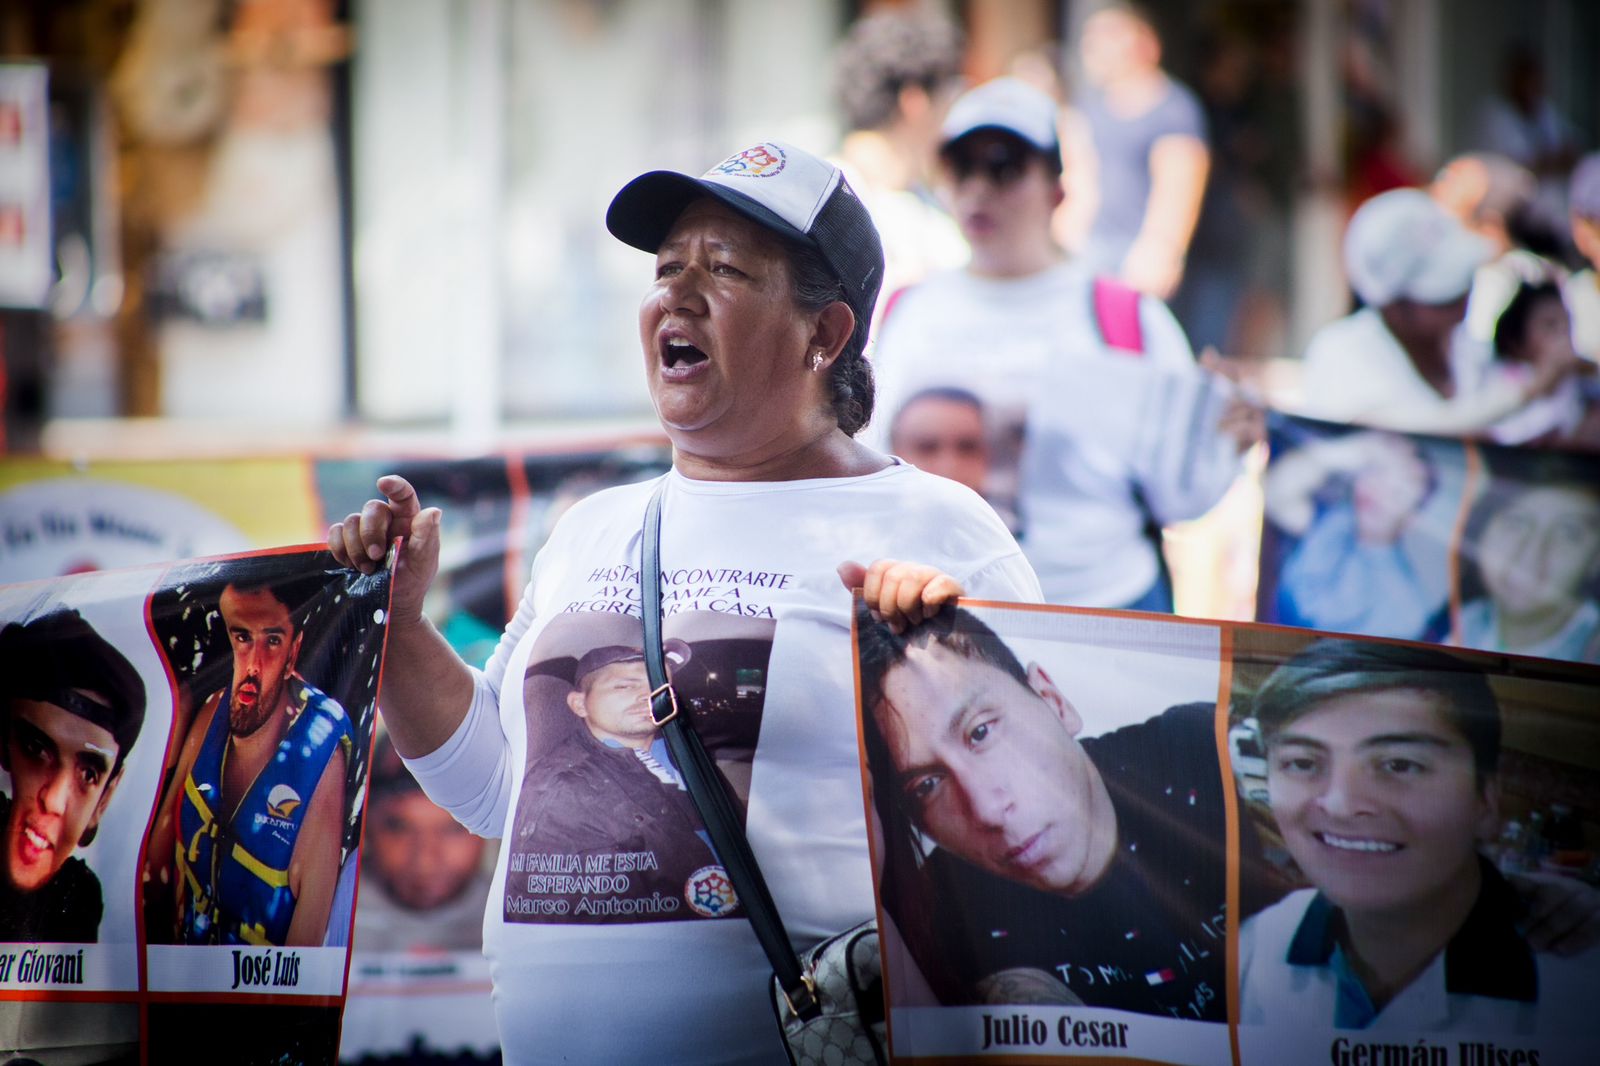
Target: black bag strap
704 782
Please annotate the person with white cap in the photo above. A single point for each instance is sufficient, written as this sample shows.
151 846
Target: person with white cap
1031 334
1404 361
767 269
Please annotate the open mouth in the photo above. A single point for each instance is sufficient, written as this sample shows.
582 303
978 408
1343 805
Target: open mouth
1358 844
34 843
678 354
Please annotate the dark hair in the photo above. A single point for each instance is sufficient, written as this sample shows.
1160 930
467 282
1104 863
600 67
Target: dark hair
1511 328
883 54
948 393
1331 668
850 386
57 656
298 592
907 889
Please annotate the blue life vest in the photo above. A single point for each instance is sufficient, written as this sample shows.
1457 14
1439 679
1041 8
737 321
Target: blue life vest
235 869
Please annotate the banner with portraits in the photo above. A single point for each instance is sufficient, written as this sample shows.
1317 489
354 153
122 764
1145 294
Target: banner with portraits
185 763
1426 538
1103 836
418 982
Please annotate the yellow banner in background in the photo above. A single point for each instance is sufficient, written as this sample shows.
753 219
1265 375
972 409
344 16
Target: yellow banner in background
60 518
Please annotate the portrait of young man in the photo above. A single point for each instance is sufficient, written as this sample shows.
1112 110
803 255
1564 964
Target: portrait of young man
71 707
1383 778
252 821
1024 862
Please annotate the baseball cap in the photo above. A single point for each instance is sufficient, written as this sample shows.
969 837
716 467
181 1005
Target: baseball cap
675 651
1009 105
1401 245
1583 193
786 189
57 657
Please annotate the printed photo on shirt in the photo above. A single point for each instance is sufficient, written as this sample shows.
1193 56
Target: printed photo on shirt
1359 528
949 431
1052 831
1528 570
1429 819
605 831
276 659
83 723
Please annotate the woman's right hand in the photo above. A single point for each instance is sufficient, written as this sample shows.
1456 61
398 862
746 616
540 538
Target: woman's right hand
362 540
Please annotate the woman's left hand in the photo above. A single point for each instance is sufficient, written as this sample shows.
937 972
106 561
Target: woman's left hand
901 594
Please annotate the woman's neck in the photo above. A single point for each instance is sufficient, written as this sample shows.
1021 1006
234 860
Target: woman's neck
1388 949
827 453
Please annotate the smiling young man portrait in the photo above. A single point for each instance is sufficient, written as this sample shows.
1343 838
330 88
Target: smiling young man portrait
1383 779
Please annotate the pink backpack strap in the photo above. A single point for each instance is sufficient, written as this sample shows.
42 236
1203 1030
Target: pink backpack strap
1116 314
888 304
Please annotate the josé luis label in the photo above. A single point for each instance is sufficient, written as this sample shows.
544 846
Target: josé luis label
277 969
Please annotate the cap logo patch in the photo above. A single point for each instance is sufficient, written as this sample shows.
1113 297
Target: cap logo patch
765 160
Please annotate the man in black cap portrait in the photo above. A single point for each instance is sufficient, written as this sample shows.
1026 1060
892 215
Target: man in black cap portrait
70 708
610 789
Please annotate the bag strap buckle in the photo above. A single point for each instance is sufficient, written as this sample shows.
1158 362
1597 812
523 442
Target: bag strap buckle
672 698
806 994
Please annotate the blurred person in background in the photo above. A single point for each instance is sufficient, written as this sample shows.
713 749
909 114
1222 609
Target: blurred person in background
424 881
1535 329
752 332
894 77
1016 325
1137 200
1404 361
1522 122
1491 195
1582 289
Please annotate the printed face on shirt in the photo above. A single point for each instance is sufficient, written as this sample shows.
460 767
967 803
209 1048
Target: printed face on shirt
725 344
1537 554
991 769
614 703
1377 798
265 646
421 854
61 780
943 436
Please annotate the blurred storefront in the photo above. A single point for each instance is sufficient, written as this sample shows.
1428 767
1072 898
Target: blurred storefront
283 223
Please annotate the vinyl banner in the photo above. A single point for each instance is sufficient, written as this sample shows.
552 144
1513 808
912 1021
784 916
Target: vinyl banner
418 981
1425 538
185 762
1103 836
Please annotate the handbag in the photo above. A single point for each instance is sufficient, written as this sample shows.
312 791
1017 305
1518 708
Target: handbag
828 1001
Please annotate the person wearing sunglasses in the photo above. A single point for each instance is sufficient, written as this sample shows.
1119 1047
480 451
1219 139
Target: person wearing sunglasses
1066 366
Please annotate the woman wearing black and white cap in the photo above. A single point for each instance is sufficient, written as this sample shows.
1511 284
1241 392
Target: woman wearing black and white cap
767 269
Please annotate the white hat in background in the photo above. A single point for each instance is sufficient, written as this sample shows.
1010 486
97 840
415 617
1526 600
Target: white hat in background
1006 104
1401 245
